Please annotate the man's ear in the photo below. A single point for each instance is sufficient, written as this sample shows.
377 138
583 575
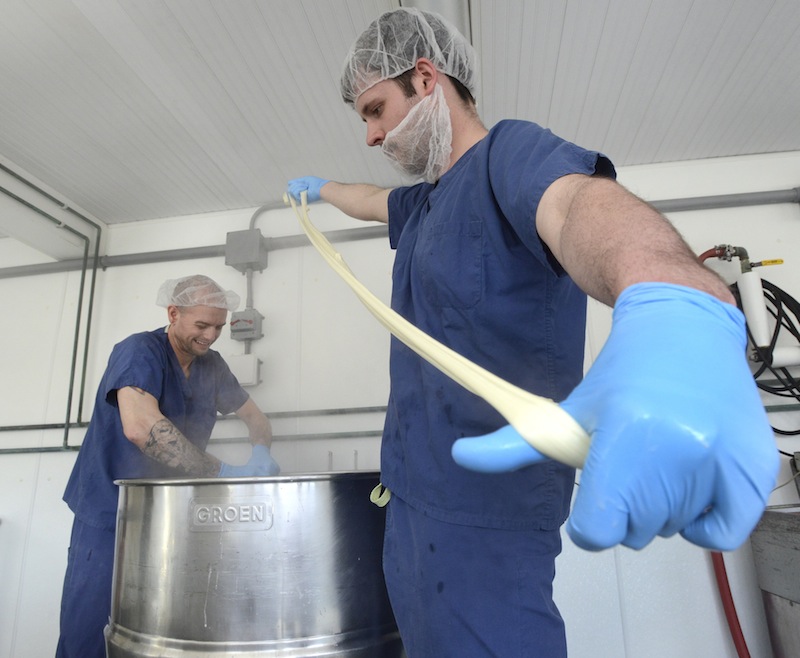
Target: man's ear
426 76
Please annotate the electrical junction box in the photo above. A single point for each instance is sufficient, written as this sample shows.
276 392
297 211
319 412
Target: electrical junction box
246 368
246 250
246 325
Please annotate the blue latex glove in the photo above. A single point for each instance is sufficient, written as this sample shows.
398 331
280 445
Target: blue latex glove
680 438
310 184
260 463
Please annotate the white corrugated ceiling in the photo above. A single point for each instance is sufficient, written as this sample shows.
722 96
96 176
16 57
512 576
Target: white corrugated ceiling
140 109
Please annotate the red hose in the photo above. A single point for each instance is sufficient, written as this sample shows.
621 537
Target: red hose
715 252
727 603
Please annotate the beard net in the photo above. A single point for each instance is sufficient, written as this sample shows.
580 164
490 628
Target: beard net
421 143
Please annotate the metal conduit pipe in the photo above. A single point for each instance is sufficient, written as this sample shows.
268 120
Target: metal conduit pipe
361 434
249 272
74 363
72 264
61 225
344 411
729 200
366 233
79 311
98 231
277 438
303 413
191 253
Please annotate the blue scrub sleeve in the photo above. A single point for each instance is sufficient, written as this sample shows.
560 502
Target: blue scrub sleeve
521 170
230 394
402 202
136 362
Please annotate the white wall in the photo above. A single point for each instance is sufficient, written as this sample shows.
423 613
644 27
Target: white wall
322 350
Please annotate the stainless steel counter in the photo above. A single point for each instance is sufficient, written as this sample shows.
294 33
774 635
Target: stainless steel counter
776 550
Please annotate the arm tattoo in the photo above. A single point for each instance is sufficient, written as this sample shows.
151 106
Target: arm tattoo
168 446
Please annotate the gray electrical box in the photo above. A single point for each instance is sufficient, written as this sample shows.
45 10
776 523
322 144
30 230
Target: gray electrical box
246 250
246 325
246 368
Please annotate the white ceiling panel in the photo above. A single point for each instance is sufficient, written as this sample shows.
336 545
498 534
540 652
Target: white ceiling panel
140 109
647 81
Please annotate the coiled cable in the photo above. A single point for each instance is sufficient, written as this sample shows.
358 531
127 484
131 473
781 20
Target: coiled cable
779 382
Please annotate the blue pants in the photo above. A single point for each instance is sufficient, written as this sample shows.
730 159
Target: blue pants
86 599
460 591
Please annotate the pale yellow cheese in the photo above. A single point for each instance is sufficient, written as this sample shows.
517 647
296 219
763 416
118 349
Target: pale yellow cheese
540 421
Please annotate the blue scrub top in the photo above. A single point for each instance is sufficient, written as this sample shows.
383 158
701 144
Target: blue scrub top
147 361
471 271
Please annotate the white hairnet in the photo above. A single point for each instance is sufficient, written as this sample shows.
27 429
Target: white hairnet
395 41
196 290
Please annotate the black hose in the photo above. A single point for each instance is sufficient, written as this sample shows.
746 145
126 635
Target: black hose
785 310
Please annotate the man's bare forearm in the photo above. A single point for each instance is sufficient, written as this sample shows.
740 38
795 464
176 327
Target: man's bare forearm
608 239
258 425
359 200
167 445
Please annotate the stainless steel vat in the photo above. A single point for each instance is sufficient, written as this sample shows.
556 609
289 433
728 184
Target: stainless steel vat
285 566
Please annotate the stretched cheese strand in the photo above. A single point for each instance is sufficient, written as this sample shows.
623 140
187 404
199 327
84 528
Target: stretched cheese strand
540 421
